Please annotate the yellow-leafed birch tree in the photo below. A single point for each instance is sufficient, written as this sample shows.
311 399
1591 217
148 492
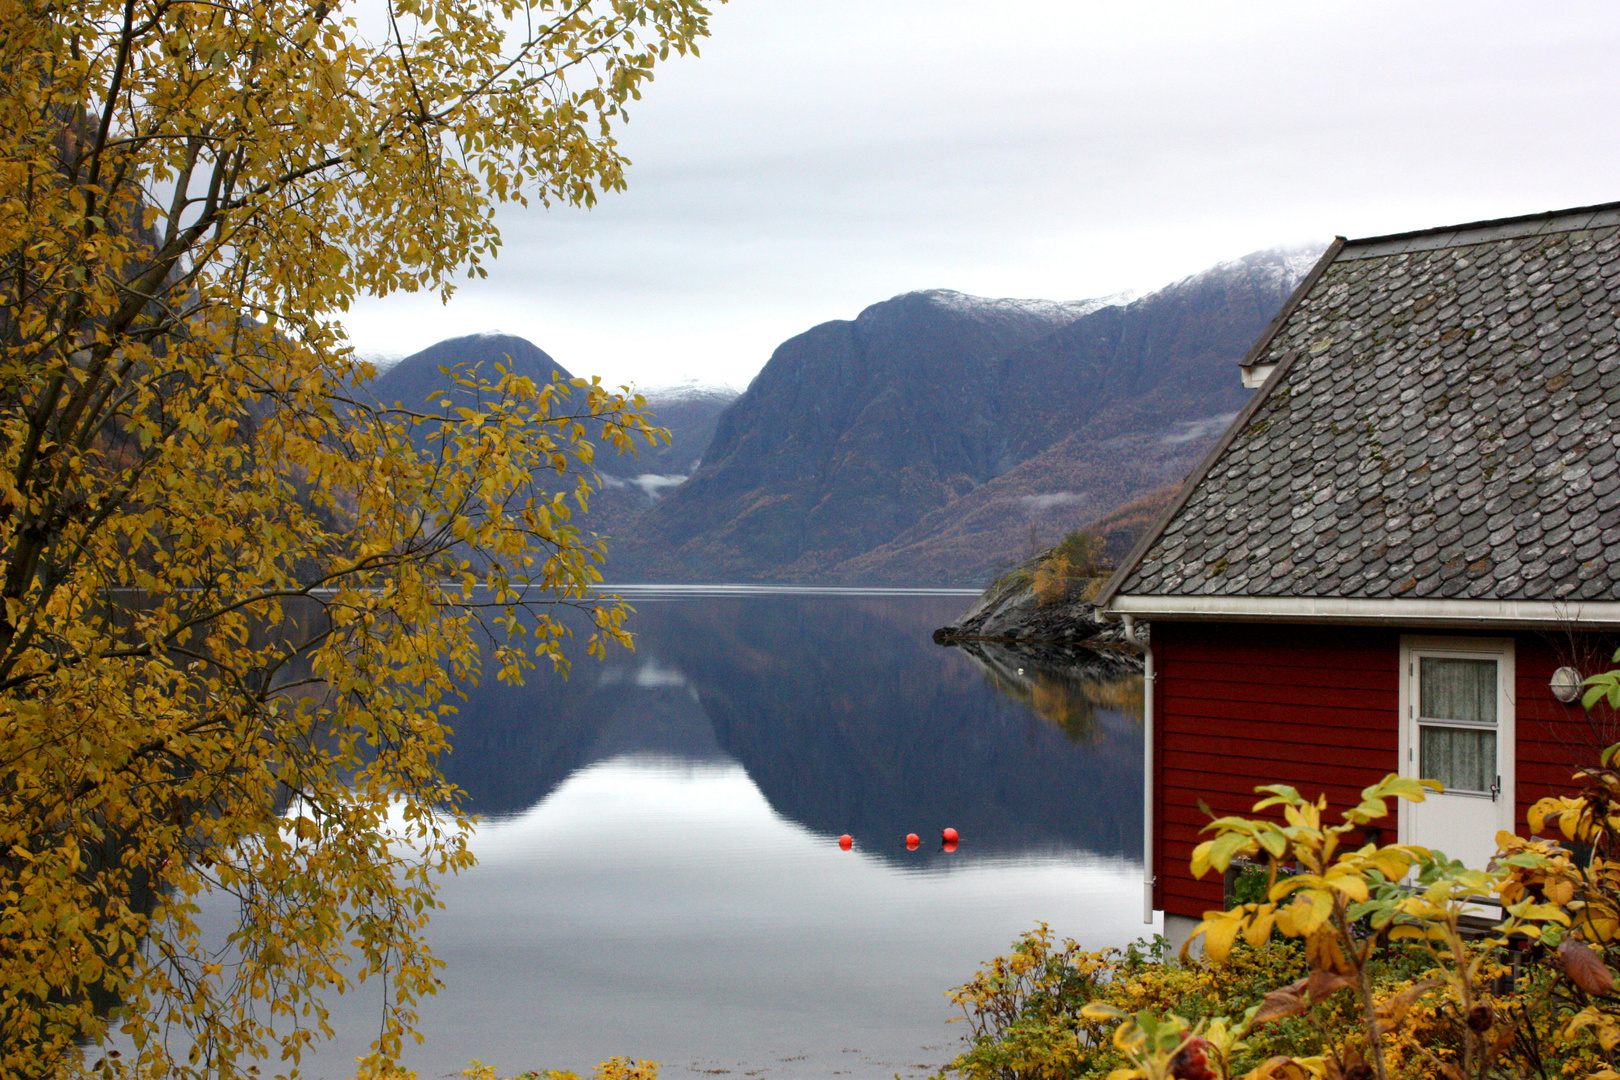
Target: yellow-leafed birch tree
239 596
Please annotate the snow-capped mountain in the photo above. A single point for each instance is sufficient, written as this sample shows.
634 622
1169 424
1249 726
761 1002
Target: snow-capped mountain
936 436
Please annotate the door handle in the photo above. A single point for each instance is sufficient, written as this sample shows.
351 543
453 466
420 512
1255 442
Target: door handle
1496 789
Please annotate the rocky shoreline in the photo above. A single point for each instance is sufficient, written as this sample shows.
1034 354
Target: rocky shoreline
1060 632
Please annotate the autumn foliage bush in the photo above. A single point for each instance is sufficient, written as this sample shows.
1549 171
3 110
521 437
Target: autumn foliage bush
239 596
1359 961
1024 1010
1065 571
378 1067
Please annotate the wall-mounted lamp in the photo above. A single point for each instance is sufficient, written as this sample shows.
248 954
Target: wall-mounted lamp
1566 684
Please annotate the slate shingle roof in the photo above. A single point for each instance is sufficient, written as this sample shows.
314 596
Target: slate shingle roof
1445 423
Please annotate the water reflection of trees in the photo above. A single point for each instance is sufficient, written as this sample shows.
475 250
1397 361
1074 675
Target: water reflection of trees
1066 686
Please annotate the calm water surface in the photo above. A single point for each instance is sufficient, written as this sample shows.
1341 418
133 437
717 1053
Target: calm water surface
659 874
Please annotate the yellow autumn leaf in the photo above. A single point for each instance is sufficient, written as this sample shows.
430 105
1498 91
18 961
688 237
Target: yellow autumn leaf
1258 930
1348 882
1220 931
1604 1026
238 575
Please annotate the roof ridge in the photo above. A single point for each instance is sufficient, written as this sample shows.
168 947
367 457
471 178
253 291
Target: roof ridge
1487 224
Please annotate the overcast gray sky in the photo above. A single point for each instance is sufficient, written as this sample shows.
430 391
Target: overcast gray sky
823 155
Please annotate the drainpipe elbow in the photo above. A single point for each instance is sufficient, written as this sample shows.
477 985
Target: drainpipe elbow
1131 635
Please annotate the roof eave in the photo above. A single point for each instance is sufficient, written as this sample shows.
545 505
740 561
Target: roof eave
1436 612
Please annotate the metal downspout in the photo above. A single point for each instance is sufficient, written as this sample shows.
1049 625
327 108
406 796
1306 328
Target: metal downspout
1147 764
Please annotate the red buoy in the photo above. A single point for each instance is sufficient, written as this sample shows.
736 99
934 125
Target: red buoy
912 840
949 836
949 845
846 841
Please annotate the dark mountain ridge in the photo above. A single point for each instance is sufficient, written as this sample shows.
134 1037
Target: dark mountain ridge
630 482
1125 401
417 379
852 431
938 437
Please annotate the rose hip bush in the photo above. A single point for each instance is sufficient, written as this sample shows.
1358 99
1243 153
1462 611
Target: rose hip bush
1357 962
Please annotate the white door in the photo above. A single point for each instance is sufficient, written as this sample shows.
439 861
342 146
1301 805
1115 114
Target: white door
1457 728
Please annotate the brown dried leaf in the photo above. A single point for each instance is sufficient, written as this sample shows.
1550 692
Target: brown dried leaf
1503 1041
1278 1004
1323 953
1322 983
1585 967
1349 1066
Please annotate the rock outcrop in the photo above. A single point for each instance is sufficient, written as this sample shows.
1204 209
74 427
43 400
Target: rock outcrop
1013 611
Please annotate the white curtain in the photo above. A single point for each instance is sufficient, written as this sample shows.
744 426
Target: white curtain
1461 758
1458 690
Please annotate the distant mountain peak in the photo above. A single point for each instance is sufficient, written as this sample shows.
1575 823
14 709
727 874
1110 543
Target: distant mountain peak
687 390
419 377
1056 311
485 338
1282 267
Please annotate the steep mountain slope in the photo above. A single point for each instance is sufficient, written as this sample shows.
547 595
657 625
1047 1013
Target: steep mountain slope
1124 526
690 411
1122 402
631 484
852 431
939 437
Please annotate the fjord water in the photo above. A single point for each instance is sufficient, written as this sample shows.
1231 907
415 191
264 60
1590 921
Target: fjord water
659 874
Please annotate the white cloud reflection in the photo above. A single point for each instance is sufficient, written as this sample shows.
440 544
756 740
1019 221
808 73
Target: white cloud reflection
663 910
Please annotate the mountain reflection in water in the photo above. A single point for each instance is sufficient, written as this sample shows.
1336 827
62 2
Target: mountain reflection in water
842 711
659 874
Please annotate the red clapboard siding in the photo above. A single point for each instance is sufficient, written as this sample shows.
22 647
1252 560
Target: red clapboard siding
1327 713
1245 727
1212 673
1237 706
1276 697
1218 649
1554 739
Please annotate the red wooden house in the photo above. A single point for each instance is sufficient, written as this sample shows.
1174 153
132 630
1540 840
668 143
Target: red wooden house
1387 560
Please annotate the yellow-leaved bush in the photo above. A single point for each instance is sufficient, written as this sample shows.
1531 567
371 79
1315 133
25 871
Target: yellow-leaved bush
376 1067
1362 960
239 596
